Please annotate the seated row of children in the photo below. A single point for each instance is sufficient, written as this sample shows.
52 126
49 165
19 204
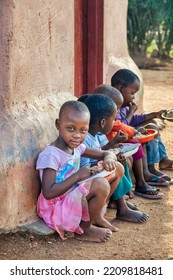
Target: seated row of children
70 199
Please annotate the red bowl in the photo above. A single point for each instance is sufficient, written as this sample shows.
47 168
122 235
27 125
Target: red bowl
146 138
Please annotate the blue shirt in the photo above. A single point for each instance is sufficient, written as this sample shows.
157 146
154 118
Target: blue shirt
96 142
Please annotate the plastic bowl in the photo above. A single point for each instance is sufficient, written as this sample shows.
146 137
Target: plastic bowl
164 115
148 137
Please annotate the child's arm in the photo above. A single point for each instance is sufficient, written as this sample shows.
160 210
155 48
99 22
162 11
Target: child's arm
109 158
120 137
153 115
132 109
51 189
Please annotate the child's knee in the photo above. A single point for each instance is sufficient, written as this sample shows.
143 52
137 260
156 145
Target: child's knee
102 186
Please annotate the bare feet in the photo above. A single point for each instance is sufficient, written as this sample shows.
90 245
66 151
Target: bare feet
130 194
132 206
102 222
166 163
112 205
94 234
132 216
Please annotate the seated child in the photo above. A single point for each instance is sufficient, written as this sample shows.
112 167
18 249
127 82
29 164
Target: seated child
128 84
142 187
101 121
64 204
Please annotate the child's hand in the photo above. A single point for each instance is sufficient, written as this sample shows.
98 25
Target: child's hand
132 107
120 137
118 145
142 130
121 158
109 164
159 113
84 173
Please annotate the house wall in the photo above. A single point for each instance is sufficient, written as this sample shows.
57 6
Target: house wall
36 77
116 54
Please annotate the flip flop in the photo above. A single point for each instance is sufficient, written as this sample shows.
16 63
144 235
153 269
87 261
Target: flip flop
167 178
145 194
155 182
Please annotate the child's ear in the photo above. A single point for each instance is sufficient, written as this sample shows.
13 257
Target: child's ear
102 123
57 124
119 87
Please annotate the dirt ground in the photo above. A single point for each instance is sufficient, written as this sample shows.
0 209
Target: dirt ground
152 240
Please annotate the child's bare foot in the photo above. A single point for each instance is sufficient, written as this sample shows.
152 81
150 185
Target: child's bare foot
130 194
166 163
126 197
133 216
102 222
94 234
112 205
132 206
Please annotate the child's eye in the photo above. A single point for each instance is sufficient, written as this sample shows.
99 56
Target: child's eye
84 131
70 129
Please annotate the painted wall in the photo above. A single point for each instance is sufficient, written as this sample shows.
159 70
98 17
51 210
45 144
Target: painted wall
36 77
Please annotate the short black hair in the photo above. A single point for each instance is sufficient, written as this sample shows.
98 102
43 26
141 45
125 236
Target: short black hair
74 104
100 107
124 77
83 97
108 90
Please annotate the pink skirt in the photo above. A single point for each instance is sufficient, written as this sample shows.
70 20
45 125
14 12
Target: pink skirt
64 213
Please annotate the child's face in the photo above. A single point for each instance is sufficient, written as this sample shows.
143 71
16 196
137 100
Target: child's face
118 101
108 123
129 92
73 127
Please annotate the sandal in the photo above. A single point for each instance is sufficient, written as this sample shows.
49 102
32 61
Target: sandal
149 193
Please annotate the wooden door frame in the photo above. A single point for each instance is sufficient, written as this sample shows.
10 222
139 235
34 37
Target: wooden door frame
88 62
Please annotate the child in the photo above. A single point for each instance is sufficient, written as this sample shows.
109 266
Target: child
65 204
142 187
100 108
128 84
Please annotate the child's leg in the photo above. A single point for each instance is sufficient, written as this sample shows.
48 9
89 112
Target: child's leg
141 184
124 213
165 162
99 192
123 187
156 153
114 182
150 172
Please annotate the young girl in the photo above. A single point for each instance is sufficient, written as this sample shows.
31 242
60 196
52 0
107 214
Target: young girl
128 84
64 203
100 107
142 187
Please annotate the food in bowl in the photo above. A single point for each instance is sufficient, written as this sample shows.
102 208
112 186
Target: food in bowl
168 115
143 138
